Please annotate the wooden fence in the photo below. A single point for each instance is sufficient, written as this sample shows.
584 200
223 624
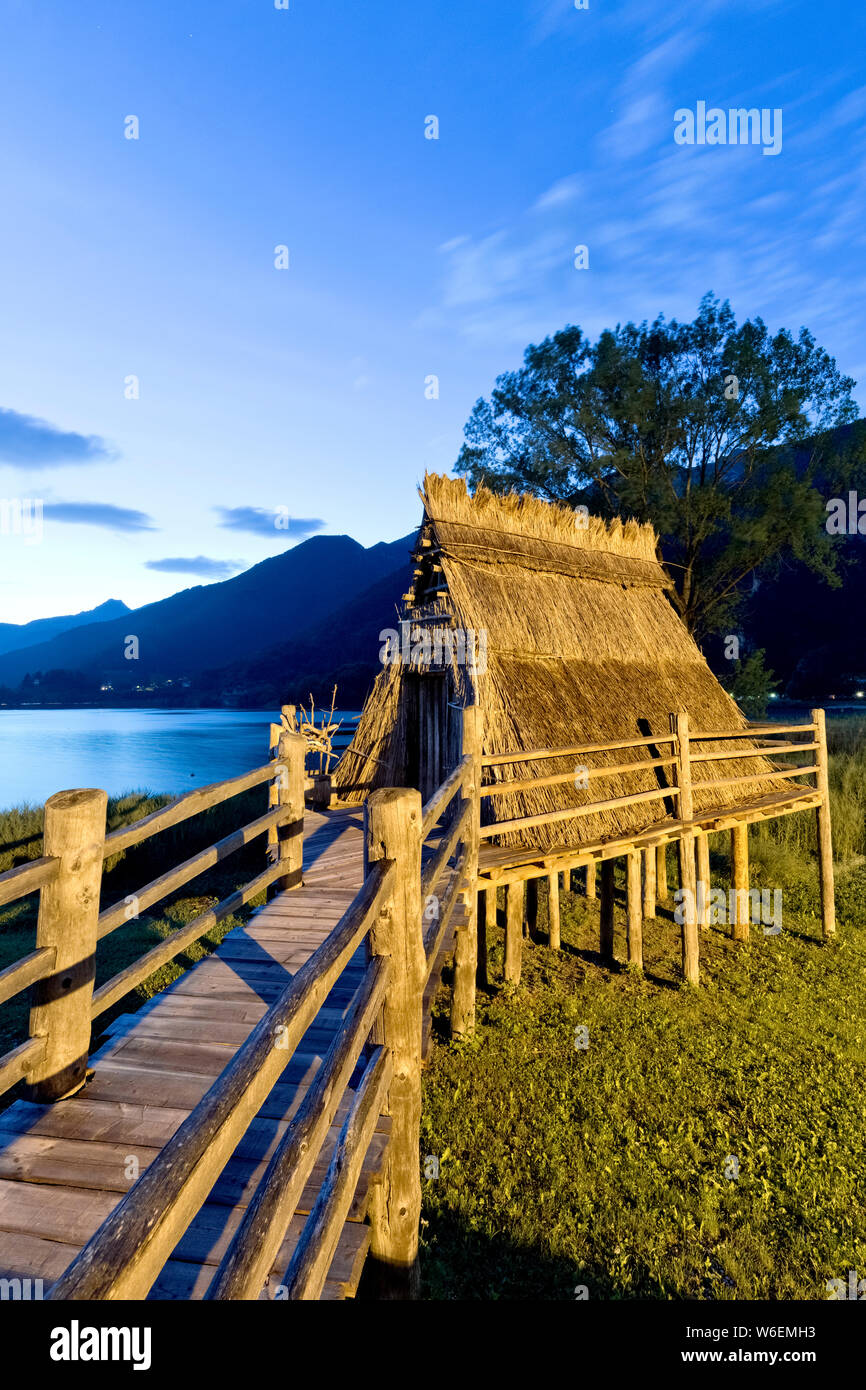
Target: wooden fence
402 913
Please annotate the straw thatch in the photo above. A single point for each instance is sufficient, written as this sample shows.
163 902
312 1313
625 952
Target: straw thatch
582 646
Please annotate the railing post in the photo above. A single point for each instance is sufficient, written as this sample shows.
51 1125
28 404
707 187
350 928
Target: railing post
703 883
392 830
68 912
825 840
688 883
466 949
286 841
515 903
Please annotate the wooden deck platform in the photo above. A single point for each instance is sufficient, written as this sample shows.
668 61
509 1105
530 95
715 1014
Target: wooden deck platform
64 1167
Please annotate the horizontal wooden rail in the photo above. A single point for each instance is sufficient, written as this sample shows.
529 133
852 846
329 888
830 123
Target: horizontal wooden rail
713 782
37 966
257 1240
569 813
124 1257
312 1256
443 796
202 799
141 969
158 888
17 1064
494 759
755 730
558 778
763 750
444 851
27 878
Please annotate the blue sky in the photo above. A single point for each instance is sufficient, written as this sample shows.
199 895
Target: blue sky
301 392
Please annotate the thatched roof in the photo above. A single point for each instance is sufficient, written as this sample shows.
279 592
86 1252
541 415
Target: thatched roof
583 646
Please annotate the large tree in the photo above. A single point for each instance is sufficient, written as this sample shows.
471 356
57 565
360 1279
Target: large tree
723 436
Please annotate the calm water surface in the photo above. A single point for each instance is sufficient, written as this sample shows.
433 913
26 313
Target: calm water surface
121 750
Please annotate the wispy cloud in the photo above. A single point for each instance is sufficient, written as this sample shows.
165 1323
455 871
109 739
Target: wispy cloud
203 565
102 514
26 442
264 521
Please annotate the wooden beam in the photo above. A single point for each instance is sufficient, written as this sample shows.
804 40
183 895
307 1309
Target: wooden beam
688 877
662 889
635 914
703 879
649 882
531 918
393 831
825 839
553 929
740 881
515 898
68 916
590 880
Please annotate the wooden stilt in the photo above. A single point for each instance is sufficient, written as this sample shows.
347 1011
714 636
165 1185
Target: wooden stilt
515 897
606 907
688 877
553 937
662 890
590 880
530 928
825 841
740 881
486 935
649 883
703 848
635 913
575 880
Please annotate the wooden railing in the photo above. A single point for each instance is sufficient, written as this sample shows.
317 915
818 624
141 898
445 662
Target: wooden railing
689 829
53 1060
383 1024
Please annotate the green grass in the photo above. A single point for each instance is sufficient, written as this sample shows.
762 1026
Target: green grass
607 1168
21 840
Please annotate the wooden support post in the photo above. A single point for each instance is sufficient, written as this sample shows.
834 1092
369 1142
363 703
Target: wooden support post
531 918
486 936
393 831
286 841
688 877
553 933
649 882
68 912
606 910
590 881
703 880
740 881
466 950
515 896
662 889
635 913
825 839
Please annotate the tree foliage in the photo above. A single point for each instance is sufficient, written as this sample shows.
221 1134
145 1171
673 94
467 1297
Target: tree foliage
720 434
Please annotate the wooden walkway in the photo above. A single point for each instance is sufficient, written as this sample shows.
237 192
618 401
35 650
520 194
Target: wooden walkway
64 1167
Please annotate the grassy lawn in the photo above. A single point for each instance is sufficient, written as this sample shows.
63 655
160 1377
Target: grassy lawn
708 1143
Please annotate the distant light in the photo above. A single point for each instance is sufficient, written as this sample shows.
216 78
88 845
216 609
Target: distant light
773 695
859 694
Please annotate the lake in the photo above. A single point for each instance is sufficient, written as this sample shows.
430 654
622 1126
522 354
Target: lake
158 750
